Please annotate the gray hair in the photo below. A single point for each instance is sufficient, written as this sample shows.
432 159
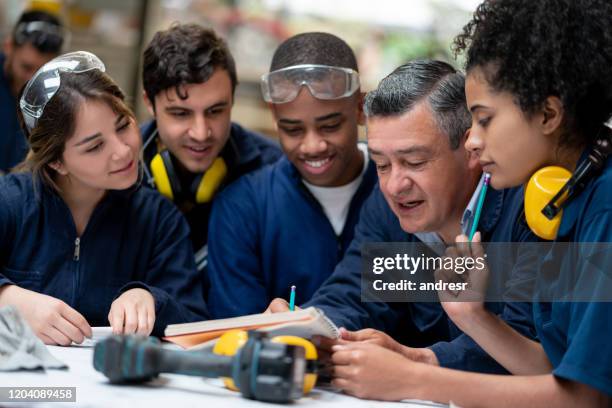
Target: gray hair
435 81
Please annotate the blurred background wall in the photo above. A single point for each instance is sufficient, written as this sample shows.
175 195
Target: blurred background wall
383 33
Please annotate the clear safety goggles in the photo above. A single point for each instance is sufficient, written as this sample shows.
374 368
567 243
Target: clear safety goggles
45 36
46 81
323 81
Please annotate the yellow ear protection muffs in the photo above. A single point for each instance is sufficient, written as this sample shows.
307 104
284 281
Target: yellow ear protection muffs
550 189
232 340
203 187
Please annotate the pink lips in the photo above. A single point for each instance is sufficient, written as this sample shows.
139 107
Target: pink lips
408 209
198 152
124 169
486 165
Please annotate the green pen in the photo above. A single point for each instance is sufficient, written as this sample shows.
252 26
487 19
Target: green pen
292 299
483 193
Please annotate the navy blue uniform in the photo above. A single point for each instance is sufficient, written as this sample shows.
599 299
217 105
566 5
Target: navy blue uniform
269 232
576 336
132 240
244 152
13 144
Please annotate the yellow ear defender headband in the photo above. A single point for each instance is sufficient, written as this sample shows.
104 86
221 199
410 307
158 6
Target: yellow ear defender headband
204 186
167 182
551 188
229 343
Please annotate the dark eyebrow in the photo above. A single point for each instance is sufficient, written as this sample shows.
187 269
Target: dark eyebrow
88 139
171 108
289 122
410 150
333 115
329 116
474 108
218 105
414 149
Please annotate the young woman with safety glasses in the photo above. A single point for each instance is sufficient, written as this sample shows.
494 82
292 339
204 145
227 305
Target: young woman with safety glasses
81 244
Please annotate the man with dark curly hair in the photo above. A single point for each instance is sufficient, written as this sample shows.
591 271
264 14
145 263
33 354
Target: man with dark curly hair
539 88
192 149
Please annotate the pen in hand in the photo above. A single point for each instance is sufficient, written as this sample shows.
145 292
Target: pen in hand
292 299
483 193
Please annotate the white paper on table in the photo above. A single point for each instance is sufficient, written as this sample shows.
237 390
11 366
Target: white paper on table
97 334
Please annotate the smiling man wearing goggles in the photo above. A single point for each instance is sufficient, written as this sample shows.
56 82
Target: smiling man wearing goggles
36 39
291 222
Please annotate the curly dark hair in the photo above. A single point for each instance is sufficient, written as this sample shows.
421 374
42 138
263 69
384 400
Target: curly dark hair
539 48
184 54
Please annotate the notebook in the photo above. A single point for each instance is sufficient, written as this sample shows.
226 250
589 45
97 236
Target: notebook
302 323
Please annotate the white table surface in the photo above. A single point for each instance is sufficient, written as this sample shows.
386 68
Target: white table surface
169 390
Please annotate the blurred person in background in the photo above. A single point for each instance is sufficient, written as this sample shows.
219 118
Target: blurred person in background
36 38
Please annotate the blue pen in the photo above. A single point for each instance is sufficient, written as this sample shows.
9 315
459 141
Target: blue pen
292 299
483 193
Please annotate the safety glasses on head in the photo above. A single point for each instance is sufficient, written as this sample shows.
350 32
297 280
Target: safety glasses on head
45 36
46 81
323 81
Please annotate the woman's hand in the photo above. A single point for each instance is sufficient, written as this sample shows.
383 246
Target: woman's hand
52 320
133 312
462 306
372 336
366 370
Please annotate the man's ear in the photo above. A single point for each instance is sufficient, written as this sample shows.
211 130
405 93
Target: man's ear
148 104
361 119
552 114
58 166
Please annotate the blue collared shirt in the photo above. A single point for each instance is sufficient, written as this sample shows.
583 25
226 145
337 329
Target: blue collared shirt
576 336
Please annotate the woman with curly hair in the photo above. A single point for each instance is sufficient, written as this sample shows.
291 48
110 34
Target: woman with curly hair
539 87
